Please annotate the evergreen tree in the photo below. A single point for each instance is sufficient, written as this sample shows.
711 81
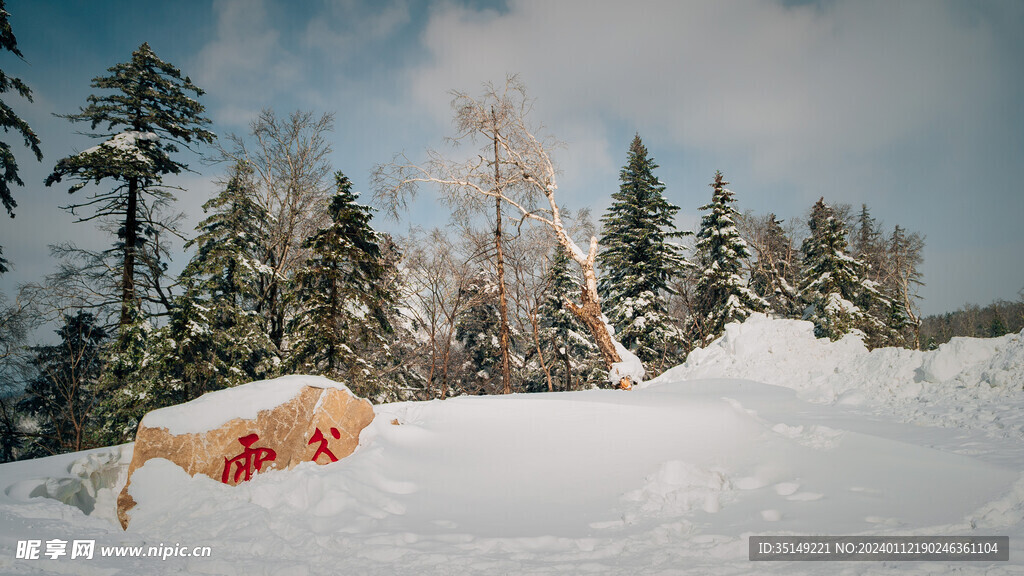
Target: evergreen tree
346 295
8 121
478 331
130 384
721 294
833 285
59 400
639 261
223 280
146 116
572 359
867 245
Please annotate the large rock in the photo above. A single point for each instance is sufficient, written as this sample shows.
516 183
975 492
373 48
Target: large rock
232 434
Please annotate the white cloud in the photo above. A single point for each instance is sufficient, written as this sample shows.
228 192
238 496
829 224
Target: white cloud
798 89
246 64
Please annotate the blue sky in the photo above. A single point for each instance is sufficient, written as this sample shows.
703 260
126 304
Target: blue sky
912 107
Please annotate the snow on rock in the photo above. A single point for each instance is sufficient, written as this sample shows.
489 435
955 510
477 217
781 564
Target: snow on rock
214 409
270 425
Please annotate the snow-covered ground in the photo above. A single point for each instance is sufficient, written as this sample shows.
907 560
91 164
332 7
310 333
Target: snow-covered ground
768 431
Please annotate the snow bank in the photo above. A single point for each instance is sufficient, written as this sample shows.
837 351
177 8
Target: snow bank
967 382
212 410
767 431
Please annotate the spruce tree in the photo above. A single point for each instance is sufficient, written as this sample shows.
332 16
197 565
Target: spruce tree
131 384
346 295
833 286
639 260
8 121
571 357
223 280
721 293
145 117
478 331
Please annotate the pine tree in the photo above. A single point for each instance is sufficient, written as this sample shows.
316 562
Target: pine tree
223 280
833 285
867 244
346 296
721 294
146 117
572 359
60 399
8 121
639 261
130 384
478 331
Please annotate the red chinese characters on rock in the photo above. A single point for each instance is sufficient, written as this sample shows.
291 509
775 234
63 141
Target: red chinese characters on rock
318 436
250 459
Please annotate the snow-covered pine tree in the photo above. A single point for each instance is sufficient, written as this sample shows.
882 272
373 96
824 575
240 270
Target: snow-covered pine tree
222 285
833 286
346 296
478 331
774 275
129 386
571 358
9 120
866 244
721 294
146 116
638 261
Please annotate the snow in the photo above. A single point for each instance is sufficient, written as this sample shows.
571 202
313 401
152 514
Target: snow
767 431
212 410
629 367
126 144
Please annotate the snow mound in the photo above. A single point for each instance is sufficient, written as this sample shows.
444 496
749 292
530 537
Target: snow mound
679 487
967 382
214 409
91 483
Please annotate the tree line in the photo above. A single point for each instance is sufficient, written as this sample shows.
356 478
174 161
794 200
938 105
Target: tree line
287 274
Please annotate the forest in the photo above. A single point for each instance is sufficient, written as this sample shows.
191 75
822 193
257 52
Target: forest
288 273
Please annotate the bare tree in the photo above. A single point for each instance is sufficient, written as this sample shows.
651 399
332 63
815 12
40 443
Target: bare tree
435 280
289 157
525 180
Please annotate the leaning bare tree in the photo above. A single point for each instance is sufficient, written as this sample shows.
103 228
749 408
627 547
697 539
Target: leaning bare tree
513 169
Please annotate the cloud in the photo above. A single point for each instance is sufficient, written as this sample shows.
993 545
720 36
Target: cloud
800 88
246 64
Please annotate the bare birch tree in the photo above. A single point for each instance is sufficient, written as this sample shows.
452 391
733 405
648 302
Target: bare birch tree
289 157
521 175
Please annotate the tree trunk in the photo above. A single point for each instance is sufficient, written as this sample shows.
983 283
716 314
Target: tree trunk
131 238
506 371
589 309
540 353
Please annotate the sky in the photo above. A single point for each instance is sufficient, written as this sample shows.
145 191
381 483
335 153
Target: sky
913 107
